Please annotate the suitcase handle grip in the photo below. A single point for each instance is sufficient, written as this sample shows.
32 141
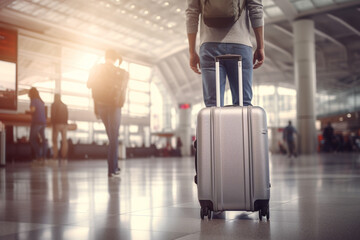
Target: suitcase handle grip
217 73
228 56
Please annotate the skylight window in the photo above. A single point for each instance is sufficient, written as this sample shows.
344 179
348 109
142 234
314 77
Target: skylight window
303 5
273 11
320 3
268 3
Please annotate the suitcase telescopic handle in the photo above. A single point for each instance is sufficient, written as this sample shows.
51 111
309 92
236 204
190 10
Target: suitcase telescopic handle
228 56
217 72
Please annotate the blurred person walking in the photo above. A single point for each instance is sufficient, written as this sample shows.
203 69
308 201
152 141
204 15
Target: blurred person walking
59 120
227 38
288 137
38 123
329 136
108 84
179 145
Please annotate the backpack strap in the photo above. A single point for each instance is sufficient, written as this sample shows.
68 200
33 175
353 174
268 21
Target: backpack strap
241 9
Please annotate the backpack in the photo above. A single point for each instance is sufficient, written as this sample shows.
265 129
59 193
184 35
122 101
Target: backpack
59 113
108 84
221 13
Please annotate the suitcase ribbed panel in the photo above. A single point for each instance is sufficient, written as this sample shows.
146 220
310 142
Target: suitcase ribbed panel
204 163
230 169
261 179
246 157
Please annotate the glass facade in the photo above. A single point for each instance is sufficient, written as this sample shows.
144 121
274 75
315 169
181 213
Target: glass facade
343 102
278 102
304 5
149 108
65 70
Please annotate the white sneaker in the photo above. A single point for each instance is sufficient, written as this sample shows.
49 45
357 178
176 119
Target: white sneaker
115 175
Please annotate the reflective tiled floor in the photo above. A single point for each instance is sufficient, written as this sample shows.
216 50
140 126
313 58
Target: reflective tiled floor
312 197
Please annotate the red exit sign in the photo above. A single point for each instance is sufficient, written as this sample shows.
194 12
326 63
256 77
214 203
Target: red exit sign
184 106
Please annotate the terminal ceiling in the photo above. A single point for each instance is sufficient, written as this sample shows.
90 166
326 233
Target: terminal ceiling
153 32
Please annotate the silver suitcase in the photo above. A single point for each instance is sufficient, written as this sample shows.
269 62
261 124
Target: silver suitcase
232 156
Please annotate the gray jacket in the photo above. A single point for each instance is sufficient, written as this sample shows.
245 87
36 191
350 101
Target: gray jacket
237 33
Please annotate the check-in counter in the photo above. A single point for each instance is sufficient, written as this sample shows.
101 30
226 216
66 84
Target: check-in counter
8 120
22 119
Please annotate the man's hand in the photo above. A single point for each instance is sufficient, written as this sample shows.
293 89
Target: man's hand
259 57
195 62
259 54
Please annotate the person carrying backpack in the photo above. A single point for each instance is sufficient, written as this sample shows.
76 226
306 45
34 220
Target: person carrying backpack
59 119
108 84
225 29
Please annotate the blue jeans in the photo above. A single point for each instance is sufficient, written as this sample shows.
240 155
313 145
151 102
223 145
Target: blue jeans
208 52
111 116
37 130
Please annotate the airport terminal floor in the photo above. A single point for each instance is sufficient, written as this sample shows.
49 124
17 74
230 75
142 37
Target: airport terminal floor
312 197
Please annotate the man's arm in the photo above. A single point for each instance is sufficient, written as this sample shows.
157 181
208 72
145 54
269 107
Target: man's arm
31 110
192 22
66 113
259 54
52 112
256 15
194 57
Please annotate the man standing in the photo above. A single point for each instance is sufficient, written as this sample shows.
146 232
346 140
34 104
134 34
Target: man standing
328 135
288 137
108 84
59 119
233 39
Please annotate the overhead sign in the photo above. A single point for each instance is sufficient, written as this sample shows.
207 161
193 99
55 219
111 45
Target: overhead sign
8 69
184 106
8 45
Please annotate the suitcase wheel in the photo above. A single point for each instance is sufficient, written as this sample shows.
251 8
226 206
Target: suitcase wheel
205 212
209 214
260 214
264 212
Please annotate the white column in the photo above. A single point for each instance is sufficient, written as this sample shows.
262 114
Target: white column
277 109
91 132
184 130
2 145
57 86
126 140
59 75
305 79
142 134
